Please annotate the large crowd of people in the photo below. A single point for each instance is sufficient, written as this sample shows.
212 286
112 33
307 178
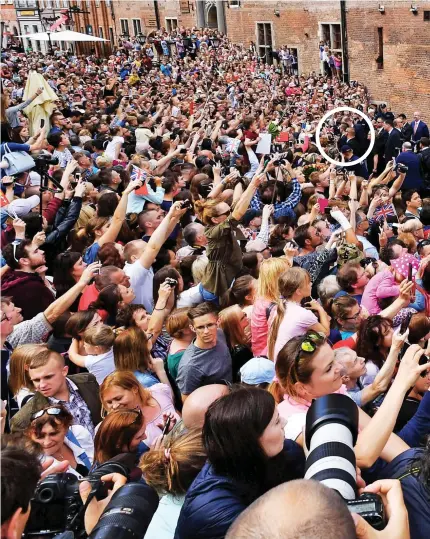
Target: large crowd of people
184 273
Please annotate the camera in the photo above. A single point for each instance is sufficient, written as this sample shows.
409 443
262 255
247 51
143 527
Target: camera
171 282
57 505
187 204
331 433
43 161
401 168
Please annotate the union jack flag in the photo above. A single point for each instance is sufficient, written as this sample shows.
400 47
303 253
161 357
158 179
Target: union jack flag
141 175
382 212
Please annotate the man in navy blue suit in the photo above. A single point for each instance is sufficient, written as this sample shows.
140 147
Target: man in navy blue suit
413 178
419 128
360 169
394 141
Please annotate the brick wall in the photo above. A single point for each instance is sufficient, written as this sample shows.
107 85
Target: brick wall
404 80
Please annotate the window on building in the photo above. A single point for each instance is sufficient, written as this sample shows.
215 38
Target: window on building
124 27
171 23
137 27
101 32
108 2
331 35
97 3
234 3
264 41
184 7
57 3
380 58
36 44
111 36
426 15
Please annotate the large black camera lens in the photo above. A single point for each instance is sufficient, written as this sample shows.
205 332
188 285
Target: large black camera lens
331 433
128 514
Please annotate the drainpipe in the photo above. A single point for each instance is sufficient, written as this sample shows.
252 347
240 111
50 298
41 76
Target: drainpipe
344 37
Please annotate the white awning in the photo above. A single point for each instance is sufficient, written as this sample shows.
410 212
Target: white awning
66 35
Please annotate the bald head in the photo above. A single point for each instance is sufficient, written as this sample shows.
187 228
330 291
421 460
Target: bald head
197 403
302 509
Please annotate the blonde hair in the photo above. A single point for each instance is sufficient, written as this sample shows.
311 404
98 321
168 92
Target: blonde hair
198 268
268 279
206 209
229 320
103 162
173 467
409 240
289 283
19 364
411 225
99 336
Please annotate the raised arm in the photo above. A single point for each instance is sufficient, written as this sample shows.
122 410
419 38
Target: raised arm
74 355
397 185
119 215
244 201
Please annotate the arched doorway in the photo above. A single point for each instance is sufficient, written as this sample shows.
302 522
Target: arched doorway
212 16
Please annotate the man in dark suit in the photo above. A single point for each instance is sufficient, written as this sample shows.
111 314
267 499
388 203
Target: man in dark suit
394 141
413 178
360 169
377 163
406 130
425 160
419 128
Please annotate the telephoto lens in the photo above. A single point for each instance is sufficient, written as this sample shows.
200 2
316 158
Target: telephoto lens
331 433
128 514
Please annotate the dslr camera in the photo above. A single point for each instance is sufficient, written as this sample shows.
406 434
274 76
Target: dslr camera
331 433
401 168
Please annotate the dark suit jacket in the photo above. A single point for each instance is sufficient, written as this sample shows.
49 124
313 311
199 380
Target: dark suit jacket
422 131
394 143
407 132
87 387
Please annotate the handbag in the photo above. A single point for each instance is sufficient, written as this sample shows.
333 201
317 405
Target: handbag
18 161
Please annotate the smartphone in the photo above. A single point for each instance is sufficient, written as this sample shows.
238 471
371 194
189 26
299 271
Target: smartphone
405 323
78 176
42 123
166 427
410 273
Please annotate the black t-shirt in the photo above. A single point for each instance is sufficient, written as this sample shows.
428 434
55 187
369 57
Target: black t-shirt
407 411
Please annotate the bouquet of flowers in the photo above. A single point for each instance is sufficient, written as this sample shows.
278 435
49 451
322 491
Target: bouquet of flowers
314 167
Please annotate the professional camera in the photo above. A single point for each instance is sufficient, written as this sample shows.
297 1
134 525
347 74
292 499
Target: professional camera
401 168
57 505
129 513
44 161
331 433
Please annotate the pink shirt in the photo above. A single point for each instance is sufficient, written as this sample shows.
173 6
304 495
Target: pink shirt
382 285
297 320
259 326
163 395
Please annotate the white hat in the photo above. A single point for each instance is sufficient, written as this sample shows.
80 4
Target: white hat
23 206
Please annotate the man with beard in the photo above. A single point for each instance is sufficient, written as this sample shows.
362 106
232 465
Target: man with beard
22 282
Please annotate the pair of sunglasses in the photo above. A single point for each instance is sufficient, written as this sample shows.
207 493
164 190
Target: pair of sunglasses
49 411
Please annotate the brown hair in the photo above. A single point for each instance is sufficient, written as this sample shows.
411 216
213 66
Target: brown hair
126 380
116 431
409 240
87 232
347 276
78 323
64 419
177 321
43 355
130 350
289 282
294 365
229 321
99 336
419 326
201 310
19 364
173 467
340 306
110 256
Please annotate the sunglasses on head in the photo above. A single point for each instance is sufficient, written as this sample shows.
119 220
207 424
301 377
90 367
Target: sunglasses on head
309 344
49 411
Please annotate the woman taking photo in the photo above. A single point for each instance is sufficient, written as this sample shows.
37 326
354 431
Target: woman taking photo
248 455
235 325
122 390
306 369
68 269
53 431
131 353
223 250
288 318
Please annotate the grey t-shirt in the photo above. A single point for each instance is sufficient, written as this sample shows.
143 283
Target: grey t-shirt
200 367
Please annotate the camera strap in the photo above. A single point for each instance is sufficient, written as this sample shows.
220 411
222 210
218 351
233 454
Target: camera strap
412 471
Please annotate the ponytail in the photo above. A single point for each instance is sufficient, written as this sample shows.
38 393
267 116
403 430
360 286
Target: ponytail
277 392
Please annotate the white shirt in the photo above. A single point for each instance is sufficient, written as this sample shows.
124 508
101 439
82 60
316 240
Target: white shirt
141 280
101 365
111 147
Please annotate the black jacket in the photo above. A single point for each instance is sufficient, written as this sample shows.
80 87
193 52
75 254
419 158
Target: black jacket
425 164
393 145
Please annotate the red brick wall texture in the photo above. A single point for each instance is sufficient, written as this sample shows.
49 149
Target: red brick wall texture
404 81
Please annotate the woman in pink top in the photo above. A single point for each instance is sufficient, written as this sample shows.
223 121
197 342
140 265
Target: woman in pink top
306 369
267 296
289 319
121 389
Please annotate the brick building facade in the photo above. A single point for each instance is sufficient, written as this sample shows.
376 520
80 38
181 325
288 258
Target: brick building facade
400 35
